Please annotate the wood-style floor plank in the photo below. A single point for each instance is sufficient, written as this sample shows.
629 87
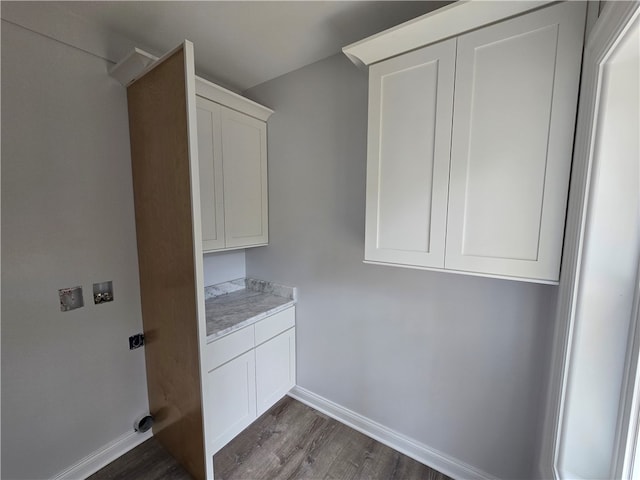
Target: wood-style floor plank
289 442
148 461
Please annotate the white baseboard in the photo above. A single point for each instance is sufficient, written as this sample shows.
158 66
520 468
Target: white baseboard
103 456
403 444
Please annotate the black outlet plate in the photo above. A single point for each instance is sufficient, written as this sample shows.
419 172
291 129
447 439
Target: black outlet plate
136 341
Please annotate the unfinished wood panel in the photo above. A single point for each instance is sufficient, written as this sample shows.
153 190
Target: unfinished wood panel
162 192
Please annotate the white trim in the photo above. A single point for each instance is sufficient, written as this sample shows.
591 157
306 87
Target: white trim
627 441
450 466
602 40
196 230
593 12
131 66
158 62
103 456
221 95
229 249
138 63
446 22
462 272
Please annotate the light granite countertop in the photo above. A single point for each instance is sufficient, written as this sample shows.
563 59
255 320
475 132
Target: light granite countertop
233 305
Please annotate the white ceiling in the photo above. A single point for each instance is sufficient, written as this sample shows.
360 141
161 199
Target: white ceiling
241 44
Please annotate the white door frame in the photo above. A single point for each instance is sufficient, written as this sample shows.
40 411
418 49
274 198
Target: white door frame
613 23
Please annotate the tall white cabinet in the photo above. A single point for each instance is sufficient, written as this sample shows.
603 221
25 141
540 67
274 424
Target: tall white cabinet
232 151
470 145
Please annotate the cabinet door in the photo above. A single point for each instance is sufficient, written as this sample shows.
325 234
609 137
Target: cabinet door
513 123
244 156
410 108
210 162
231 399
275 369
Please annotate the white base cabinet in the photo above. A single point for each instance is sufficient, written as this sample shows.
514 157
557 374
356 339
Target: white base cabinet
470 145
231 389
275 369
248 372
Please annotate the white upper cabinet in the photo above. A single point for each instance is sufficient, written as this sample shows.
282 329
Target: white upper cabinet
514 114
411 102
244 157
476 181
210 162
232 152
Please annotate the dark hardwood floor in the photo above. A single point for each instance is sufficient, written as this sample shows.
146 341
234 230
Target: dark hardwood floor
290 441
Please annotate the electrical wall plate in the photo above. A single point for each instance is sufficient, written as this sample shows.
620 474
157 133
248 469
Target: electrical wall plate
136 341
103 292
70 298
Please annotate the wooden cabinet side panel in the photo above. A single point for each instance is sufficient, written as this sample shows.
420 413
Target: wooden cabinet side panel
162 193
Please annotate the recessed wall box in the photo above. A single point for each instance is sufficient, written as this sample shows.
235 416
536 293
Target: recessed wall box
70 298
102 292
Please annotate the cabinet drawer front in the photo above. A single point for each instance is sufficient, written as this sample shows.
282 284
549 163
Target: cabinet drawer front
226 348
275 324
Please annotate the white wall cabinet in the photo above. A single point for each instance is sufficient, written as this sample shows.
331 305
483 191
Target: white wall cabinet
248 372
410 109
232 152
476 182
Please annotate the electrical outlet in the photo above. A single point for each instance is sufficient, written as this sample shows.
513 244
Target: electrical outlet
136 341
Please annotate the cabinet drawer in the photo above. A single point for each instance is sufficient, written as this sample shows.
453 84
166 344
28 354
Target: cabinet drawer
275 324
226 348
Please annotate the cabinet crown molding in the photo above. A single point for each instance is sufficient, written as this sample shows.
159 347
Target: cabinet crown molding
218 94
138 62
452 20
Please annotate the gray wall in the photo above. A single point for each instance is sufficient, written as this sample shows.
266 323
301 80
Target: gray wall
70 385
223 266
456 362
